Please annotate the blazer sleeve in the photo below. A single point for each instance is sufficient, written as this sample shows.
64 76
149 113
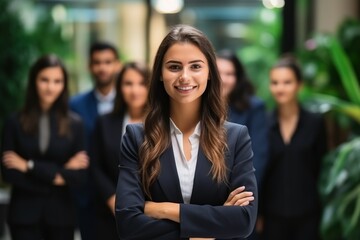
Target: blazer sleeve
131 221
258 130
76 177
226 221
104 185
12 176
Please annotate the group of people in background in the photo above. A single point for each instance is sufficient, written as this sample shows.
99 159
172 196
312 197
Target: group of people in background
154 154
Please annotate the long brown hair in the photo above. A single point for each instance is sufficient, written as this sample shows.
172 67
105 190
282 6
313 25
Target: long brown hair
30 114
157 123
120 106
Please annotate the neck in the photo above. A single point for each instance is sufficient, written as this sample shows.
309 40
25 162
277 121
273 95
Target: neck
289 109
45 107
185 116
136 114
105 90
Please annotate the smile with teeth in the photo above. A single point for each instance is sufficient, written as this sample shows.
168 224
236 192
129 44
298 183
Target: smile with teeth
185 88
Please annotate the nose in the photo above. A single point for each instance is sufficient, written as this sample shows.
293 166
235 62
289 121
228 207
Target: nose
184 77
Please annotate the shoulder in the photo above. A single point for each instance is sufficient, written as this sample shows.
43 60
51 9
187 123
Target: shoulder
81 98
12 119
312 117
235 130
132 139
256 102
75 119
136 131
109 121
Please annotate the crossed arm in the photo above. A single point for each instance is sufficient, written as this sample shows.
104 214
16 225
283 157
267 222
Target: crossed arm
11 160
171 211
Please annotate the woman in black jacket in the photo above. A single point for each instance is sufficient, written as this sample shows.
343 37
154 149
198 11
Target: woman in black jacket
43 156
129 107
297 143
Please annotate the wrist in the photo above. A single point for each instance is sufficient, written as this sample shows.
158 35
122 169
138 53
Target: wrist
30 165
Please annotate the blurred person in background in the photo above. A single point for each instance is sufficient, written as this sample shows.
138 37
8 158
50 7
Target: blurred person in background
244 107
104 64
43 157
130 107
297 143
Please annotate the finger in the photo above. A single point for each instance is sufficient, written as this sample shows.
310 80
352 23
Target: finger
240 202
234 192
243 195
245 204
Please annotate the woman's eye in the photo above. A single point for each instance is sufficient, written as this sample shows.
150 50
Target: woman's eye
174 67
196 66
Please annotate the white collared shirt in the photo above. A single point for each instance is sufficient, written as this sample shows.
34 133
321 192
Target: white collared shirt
185 168
105 104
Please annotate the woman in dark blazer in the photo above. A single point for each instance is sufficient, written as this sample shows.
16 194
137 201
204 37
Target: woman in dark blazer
297 139
183 173
43 157
130 106
244 107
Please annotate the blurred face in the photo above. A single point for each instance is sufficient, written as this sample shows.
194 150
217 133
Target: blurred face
49 84
227 74
104 66
185 73
283 85
133 89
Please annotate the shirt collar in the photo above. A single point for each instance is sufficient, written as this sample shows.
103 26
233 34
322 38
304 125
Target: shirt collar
174 128
105 98
274 118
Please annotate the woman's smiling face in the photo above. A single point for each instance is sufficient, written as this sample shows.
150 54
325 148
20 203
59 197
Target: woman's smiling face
185 73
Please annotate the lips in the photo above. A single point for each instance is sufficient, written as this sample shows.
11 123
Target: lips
185 88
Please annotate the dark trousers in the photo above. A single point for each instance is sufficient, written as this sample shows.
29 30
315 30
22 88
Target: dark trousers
41 232
106 227
292 228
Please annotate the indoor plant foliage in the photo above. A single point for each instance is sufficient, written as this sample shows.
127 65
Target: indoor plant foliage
331 62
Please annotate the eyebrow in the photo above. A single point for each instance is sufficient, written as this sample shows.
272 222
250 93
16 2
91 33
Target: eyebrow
178 62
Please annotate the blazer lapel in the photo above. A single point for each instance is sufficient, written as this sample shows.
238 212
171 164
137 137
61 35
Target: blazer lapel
202 179
168 177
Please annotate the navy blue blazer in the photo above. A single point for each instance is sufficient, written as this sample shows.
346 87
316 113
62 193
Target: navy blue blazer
205 216
254 118
85 104
34 198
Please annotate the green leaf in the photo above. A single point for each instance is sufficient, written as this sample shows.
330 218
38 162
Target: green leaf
345 70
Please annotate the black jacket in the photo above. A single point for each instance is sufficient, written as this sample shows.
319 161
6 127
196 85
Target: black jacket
34 198
291 179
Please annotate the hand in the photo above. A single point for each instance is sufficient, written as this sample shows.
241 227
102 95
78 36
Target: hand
79 161
163 210
58 180
12 160
111 203
259 227
239 198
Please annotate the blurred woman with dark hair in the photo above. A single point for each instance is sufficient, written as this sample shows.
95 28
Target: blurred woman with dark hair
297 144
129 107
244 107
43 156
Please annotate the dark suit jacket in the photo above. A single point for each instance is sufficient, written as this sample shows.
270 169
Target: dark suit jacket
34 198
255 119
291 179
85 105
205 216
105 157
